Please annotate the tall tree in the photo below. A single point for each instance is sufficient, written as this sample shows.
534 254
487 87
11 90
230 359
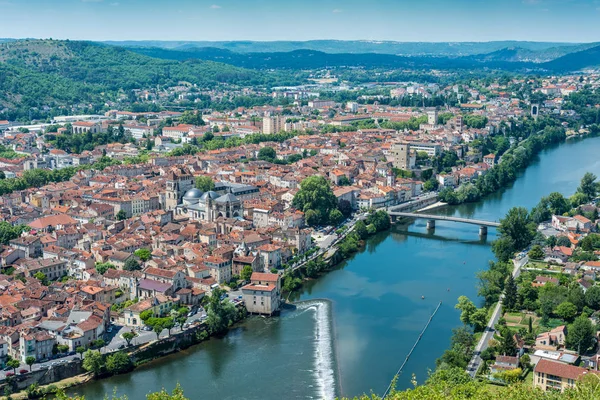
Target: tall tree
510 293
315 195
515 226
580 334
205 183
588 185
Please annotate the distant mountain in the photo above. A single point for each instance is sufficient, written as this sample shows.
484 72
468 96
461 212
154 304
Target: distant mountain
575 61
448 49
312 59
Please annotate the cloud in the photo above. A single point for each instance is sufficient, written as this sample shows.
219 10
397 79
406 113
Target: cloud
337 11
215 6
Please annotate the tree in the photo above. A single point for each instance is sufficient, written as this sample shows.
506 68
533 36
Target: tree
557 203
335 217
93 362
515 226
121 215
246 273
118 363
220 313
566 311
536 252
101 268
14 364
131 264
40 276
158 328
563 241
204 183
581 334
592 297
191 117
507 345
267 154
143 254
168 324
361 229
146 315
479 319
510 376
315 195
80 350
510 293
30 360
588 186
129 336
503 249
467 308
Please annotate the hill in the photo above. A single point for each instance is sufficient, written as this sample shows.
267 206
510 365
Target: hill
42 74
446 49
575 61
312 59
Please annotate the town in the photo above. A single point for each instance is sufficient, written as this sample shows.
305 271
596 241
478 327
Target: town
119 228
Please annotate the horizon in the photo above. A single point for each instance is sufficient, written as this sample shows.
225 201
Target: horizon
404 21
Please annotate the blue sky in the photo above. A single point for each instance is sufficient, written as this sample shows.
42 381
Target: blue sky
400 20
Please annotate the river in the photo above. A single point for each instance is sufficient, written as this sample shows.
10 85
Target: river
352 328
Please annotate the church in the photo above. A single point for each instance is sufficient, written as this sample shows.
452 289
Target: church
209 206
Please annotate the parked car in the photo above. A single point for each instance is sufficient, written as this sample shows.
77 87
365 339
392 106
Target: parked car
110 329
23 371
10 373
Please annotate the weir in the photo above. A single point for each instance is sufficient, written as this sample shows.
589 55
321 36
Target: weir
412 349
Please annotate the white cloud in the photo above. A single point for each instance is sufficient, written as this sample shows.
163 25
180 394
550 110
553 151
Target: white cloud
215 6
337 11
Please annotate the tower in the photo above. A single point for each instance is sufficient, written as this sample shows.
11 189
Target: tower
432 117
535 110
401 152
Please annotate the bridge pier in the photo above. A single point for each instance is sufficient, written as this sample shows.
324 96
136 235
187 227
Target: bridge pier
483 230
431 224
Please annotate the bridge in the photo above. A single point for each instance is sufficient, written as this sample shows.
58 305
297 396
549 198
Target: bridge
483 225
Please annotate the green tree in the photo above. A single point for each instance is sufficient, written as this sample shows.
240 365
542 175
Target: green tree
315 196
267 154
157 328
129 336
580 334
101 268
93 362
146 315
515 226
121 215
221 314
563 241
566 311
30 360
118 363
503 249
588 186
40 276
246 273
14 364
536 252
143 254
335 217
510 293
205 183
592 297
507 345
467 308
192 118
80 350
361 229
132 265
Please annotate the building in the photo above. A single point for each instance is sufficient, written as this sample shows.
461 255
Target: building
490 159
321 103
401 156
432 117
179 181
263 294
273 124
209 206
556 375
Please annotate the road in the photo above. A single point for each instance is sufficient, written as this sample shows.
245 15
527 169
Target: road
489 331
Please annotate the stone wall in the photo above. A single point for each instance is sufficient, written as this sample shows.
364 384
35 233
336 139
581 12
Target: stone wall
45 376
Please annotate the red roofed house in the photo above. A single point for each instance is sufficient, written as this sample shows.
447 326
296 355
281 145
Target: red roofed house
555 375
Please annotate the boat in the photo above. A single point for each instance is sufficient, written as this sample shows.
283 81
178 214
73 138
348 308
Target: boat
422 297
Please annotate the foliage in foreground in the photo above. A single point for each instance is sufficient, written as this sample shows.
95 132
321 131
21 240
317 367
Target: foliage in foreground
455 384
445 384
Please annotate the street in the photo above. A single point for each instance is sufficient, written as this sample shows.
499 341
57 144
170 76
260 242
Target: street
488 333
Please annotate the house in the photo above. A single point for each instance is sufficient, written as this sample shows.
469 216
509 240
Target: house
542 280
159 305
556 375
263 294
504 363
270 256
551 340
35 343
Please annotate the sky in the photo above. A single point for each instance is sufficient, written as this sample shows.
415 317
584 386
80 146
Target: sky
269 20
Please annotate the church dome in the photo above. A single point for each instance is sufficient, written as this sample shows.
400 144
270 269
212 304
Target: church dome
192 196
209 195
